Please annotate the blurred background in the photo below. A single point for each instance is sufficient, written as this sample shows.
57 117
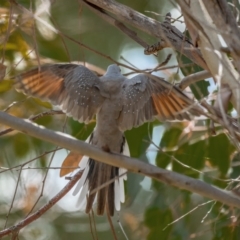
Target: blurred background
29 173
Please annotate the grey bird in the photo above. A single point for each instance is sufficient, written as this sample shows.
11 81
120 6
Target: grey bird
118 103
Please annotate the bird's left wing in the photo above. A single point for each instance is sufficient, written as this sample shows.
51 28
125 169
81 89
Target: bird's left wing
74 88
144 99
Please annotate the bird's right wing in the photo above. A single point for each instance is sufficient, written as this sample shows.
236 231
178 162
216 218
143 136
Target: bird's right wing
144 99
74 88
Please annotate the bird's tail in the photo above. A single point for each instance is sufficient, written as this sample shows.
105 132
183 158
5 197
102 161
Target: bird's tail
102 184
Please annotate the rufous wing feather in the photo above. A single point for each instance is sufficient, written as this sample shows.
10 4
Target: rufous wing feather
44 84
170 106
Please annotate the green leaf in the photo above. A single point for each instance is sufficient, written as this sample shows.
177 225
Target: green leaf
163 159
170 138
21 145
219 152
138 142
236 169
42 103
81 130
5 85
187 70
138 139
156 220
190 155
199 89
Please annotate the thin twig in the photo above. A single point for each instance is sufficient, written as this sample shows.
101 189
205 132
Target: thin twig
46 174
43 183
192 210
14 196
43 209
21 166
121 227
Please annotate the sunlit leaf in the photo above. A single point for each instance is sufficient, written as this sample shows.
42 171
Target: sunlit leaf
5 85
42 103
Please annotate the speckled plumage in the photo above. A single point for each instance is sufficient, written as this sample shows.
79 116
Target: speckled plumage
118 103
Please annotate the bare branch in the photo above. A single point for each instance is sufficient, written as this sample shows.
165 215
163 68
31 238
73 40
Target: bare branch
33 118
134 165
155 47
130 33
193 78
162 31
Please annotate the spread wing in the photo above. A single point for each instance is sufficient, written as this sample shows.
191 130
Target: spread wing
74 88
144 99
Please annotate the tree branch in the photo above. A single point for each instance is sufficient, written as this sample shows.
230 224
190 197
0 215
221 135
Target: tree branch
33 118
134 165
193 78
111 20
222 70
224 20
162 31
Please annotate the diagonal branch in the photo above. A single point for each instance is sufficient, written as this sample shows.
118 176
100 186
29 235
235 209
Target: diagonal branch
223 18
133 165
111 20
162 31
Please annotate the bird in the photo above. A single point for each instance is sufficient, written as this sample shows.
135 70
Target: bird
118 103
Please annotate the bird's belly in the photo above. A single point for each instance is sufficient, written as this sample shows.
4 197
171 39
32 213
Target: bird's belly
107 134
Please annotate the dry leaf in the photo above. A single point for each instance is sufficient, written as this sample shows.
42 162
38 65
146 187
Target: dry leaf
70 163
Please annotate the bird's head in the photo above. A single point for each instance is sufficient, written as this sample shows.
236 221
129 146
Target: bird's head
113 73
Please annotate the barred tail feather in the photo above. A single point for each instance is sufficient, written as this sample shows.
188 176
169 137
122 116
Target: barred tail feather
96 174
